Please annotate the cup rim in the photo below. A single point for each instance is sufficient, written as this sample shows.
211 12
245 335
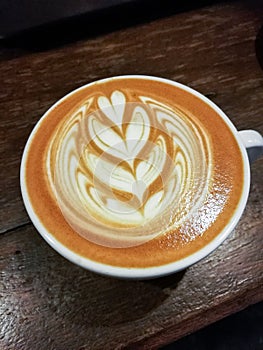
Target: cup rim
144 272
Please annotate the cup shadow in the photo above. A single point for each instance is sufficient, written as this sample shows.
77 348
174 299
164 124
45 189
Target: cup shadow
104 301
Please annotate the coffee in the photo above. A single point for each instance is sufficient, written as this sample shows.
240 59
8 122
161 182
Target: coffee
134 172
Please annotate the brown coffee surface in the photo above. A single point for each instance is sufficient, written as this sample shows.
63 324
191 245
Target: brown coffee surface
206 171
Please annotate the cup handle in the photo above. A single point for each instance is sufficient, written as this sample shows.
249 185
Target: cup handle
253 142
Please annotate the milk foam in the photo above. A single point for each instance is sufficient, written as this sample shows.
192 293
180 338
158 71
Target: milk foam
124 172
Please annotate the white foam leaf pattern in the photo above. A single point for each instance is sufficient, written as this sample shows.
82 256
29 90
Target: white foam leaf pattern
153 205
143 168
110 173
127 147
113 108
128 213
137 132
123 167
107 139
148 170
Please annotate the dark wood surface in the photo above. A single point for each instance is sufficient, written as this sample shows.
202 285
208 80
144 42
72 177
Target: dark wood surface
48 303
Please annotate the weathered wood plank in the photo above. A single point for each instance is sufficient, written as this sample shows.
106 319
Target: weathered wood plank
48 303
210 49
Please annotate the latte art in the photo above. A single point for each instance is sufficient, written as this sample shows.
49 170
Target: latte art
138 163
125 169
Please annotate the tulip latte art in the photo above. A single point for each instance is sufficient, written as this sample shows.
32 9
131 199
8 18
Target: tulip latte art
124 166
127 172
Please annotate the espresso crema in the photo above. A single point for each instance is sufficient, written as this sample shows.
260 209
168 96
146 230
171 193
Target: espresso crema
133 172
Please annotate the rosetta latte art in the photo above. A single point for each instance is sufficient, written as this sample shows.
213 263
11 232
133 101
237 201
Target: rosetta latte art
125 172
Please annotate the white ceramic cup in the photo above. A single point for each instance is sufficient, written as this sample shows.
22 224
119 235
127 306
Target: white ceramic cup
251 146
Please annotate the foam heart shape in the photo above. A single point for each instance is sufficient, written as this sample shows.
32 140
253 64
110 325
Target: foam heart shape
113 108
125 147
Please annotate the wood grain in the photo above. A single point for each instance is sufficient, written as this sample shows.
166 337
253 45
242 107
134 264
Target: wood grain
75 309
48 303
211 50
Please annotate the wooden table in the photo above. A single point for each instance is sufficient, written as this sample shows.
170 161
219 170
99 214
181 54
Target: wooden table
48 303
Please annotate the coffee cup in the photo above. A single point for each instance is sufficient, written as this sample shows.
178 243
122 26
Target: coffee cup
136 176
